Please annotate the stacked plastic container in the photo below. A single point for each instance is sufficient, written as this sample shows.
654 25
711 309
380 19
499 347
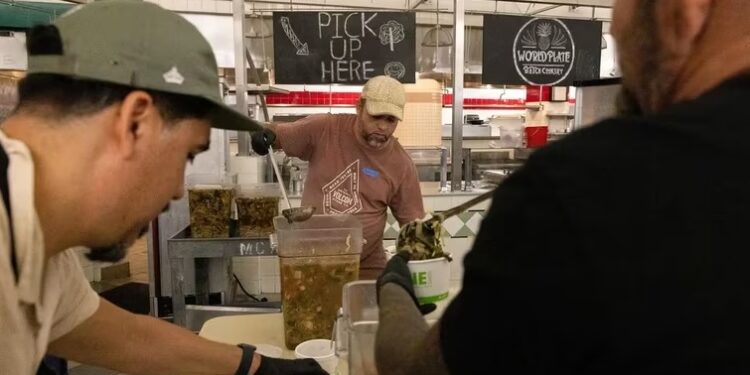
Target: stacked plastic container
257 206
210 200
317 258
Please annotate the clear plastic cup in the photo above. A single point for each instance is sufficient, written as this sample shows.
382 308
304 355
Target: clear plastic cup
321 350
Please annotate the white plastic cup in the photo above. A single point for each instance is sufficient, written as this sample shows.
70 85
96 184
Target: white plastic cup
431 279
321 350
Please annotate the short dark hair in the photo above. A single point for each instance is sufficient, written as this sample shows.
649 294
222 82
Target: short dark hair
64 96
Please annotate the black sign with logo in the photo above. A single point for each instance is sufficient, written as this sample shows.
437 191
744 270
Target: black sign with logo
343 47
540 51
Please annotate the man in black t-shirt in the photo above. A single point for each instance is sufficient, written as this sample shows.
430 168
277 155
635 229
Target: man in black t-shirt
622 248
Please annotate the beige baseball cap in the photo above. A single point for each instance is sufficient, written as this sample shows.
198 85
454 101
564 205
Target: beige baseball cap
384 96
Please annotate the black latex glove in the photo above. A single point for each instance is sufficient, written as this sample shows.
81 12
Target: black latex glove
397 272
261 140
280 366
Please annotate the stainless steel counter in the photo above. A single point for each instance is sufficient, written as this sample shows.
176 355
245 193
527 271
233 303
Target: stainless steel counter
191 256
430 189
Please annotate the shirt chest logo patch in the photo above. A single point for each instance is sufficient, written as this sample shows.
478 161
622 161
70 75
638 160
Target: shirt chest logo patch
341 195
370 172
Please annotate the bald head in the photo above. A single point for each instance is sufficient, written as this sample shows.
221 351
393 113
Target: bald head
675 50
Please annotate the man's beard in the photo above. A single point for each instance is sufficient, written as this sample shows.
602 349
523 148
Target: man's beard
376 140
113 253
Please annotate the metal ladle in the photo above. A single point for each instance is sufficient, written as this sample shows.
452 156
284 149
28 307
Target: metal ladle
292 214
440 217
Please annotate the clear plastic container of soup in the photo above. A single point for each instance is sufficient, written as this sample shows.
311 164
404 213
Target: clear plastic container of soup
210 199
317 258
257 205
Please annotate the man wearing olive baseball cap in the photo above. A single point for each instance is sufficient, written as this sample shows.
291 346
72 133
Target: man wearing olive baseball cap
356 165
119 95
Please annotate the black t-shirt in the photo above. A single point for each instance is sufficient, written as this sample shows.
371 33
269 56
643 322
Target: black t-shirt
621 249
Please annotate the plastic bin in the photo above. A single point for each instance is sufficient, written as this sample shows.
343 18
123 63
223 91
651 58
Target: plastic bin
536 136
257 206
210 199
317 258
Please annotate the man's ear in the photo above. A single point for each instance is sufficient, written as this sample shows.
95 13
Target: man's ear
136 117
680 24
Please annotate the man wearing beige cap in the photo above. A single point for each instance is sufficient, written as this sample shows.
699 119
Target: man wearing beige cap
119 96
356 165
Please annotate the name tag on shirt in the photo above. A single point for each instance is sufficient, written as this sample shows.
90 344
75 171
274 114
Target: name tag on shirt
370 172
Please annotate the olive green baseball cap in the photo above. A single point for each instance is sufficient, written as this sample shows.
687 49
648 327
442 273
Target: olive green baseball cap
139 44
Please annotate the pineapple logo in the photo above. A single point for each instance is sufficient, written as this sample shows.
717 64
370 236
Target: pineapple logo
544 30
544 52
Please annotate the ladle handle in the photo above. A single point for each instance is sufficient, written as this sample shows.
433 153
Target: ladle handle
278 175
464 206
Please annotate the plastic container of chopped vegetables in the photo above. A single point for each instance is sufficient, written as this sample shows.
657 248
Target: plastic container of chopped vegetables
257 205
210 199
317 258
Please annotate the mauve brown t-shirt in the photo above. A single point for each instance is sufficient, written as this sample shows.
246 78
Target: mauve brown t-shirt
346 176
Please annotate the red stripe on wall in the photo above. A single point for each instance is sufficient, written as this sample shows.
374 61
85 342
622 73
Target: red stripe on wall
325 99
480 103
538 94
313 98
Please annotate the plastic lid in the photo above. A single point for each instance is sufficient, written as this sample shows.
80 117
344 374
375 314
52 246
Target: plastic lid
211 181
259 190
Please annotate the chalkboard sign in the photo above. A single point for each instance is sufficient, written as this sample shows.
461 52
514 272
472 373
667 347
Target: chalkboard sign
540 51
343 47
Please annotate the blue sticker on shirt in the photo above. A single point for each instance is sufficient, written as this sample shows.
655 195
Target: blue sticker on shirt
370 172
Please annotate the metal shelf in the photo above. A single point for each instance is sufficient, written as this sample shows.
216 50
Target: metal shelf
183 251
560 115
260 89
